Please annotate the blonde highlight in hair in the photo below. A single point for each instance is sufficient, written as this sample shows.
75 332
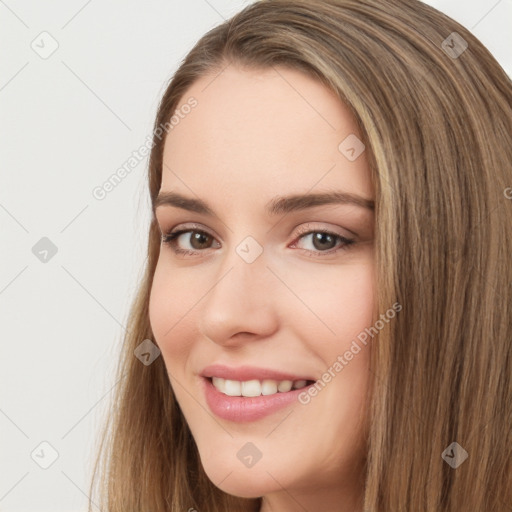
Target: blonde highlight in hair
437 130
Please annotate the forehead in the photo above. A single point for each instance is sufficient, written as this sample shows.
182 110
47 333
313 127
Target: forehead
262 132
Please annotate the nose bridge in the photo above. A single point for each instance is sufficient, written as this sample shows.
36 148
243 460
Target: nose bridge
241 276
238 300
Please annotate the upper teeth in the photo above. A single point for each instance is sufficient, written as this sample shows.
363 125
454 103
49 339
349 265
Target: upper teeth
255 387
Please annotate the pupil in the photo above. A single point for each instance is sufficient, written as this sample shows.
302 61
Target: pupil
320 239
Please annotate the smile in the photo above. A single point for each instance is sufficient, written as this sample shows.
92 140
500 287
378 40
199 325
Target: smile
247 393
253 388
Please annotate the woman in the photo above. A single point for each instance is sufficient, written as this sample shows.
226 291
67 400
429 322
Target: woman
324 322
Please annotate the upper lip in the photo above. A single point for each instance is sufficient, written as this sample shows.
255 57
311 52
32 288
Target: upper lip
245 373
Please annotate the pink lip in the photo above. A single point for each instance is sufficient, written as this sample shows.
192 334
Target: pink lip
245 409
244 373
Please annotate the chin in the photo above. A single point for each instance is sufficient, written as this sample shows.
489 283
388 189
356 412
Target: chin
237 480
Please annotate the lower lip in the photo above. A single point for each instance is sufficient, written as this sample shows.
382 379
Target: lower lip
243 409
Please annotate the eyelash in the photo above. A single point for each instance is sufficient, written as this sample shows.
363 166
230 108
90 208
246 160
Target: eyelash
169 239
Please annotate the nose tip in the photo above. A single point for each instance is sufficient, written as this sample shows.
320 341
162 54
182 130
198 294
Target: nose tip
238 306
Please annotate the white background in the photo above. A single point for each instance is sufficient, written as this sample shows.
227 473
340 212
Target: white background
68 123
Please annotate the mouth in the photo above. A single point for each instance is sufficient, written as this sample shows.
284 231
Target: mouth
247 394
256 387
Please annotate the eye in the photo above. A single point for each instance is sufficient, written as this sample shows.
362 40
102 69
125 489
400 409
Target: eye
193 240
316 242
319 242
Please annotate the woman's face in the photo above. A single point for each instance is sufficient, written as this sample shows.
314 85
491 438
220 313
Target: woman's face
275 285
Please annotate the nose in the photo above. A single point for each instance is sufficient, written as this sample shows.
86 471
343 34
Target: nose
240 305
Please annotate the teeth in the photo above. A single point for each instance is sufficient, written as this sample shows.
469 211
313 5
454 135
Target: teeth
284 386
255 387
220 384
251 388
299 384
232 387
269 387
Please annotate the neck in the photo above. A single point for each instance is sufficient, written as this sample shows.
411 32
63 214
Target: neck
328 500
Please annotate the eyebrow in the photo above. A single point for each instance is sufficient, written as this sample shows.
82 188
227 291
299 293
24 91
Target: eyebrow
276 206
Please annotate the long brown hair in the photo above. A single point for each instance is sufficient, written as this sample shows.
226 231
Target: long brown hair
435 112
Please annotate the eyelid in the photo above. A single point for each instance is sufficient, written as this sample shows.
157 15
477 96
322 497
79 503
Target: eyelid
303 229
309 227
169 237
192 226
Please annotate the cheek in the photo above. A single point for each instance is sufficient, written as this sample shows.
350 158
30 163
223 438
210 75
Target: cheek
340 300
160 304
171 310
352 306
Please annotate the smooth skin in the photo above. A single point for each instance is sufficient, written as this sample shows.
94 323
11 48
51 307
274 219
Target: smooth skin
255 135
